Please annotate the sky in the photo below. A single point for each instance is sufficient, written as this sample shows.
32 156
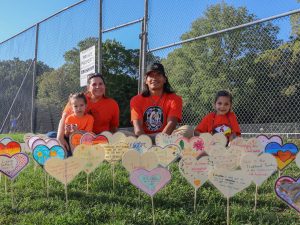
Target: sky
168 20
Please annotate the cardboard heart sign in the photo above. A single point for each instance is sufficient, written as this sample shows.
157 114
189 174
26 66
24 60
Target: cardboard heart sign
31 140
150 182
114 152
222 158
259 168
11 166
10 148
6 140
118 137
252 145
75 138
297 160
265 140
166 155
108 135
50 142
162 139
195 171
229 183
284 154
140 144
64 170
133 160
91 139
194 146
211 140
42 153
288 190
91 155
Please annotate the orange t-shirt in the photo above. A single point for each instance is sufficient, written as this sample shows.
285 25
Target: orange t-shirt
154 111
83 123
213 123
105 112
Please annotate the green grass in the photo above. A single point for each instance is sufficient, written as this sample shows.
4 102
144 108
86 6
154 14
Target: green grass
15 136
103 205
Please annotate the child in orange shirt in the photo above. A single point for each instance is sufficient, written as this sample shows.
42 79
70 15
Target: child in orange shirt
222 120
78 120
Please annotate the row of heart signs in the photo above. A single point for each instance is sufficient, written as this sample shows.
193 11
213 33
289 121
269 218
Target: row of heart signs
230 169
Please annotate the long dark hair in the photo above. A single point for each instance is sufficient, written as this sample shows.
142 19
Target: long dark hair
166 89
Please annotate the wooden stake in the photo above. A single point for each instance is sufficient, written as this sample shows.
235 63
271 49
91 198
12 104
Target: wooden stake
5 184
12 195
228 218
87 183
153 210
195 199
255 203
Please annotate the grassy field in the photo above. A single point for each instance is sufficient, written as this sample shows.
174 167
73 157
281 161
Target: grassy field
103 205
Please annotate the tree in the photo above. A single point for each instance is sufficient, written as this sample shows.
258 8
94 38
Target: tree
200 68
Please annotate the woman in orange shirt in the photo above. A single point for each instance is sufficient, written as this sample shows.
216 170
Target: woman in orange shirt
223 120
104 110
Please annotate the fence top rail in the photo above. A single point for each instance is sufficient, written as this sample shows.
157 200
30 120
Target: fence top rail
64 9
226 30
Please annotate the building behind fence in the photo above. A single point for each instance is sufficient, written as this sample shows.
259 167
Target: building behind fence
257 60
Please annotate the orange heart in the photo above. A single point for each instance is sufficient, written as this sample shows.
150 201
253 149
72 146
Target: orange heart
75 139
284 156
10 149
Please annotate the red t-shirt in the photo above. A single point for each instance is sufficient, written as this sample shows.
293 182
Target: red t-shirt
105 112
154 111
213 123
83 123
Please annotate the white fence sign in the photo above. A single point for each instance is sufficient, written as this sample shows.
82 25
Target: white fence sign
87 64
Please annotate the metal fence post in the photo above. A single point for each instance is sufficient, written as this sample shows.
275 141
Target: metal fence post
100 38
33 120
144 45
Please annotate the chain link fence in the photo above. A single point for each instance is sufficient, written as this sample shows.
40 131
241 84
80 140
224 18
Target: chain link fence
257 62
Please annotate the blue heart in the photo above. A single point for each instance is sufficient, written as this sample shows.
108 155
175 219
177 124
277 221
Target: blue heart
274 147
150 181
42 153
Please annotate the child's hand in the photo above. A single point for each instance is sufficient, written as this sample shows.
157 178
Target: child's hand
67 130
74 128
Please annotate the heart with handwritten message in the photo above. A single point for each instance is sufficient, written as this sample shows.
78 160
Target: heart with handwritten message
117 137
133 160
222 158
10 148
114 152
64 170
166 155
150 182
162 139
194 146
265 140
140 144
287 189
252 145
91 155
212 140
195 171
284 154
11 166
259 168
229 183
42 153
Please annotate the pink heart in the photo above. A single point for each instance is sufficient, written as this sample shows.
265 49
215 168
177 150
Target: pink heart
152 181
11 166
31 140
265 140
49 142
